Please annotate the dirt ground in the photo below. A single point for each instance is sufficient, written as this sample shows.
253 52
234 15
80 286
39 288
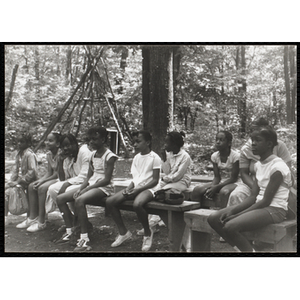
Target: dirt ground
104 233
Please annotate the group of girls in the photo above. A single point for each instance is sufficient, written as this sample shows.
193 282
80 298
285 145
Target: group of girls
80 176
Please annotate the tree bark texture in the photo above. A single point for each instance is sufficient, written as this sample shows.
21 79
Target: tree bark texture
158 93
12 85
287 84
293 74
243 116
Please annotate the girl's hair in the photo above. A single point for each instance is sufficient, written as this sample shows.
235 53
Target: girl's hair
177 138
269 134
146 135
99 130
26 137
57 136
228 136
260 122
73 142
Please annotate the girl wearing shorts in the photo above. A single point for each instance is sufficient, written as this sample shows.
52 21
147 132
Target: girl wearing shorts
73 165
226 170
267 203
145 171
37 190
95 188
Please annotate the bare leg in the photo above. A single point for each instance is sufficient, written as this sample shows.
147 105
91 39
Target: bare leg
140 201
33 202
42 194
62 201
93 197
199 191
248 221
112 204
225 192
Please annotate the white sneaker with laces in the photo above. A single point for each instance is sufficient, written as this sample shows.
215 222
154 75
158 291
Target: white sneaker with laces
147 241
27 223
83 245
37 226
121 239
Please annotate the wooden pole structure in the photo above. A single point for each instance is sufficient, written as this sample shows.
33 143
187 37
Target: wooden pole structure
66 105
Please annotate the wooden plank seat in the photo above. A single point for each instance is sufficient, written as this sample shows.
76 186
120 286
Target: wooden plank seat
172 215
281 235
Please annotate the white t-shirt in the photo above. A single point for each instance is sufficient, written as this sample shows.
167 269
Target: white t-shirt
225 169
142 168
76 172
264 170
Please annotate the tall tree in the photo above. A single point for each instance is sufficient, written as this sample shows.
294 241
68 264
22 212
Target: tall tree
287 84
158 93
293 75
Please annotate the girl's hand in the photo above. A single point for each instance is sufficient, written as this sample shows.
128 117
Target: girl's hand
166 179
211 191
76 194
132 193
37 184
227 217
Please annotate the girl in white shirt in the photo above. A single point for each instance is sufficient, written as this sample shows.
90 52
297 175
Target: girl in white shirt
267 203
96 186
145 171
226 170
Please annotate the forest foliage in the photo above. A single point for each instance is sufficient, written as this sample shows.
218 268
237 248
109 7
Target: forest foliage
211 85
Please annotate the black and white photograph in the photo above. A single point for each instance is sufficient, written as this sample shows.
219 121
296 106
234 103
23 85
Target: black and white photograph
151 148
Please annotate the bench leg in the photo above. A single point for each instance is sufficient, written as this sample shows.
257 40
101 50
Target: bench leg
286 244
176 226
200 241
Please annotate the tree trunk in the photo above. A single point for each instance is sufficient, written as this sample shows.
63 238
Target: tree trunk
294 82
37 63
158 98
287 84
69 76
12 85
243 116
146 85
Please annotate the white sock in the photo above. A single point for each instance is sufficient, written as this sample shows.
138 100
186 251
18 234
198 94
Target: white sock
69 231
84 236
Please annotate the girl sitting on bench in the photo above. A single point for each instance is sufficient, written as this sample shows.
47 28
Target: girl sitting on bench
93 190
145 171
37 190
226 170
267 203
73 165
24 172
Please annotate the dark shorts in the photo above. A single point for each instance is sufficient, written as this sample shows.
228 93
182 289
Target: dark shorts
278 214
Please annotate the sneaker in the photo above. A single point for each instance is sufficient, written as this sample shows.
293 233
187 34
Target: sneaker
27 223
142 232
121 239
83 245
154 220
65 238
221 240
147 241
37 226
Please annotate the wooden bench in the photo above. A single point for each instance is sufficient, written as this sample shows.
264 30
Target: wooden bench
281 235
172 215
